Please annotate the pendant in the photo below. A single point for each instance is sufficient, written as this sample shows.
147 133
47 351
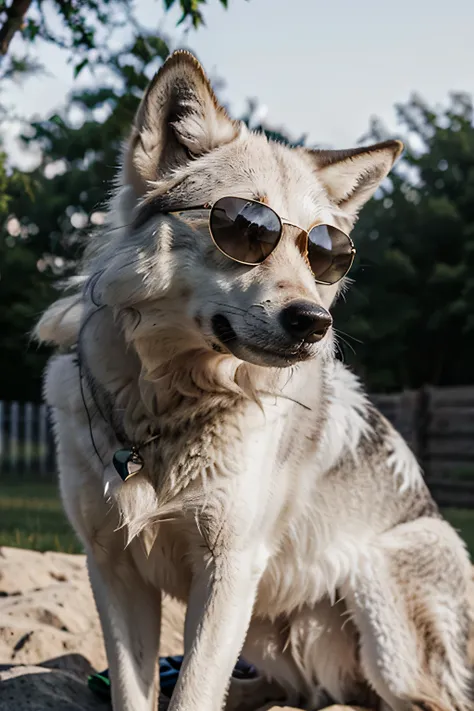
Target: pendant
127 462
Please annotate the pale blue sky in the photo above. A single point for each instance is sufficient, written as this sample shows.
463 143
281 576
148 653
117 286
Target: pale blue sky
321 67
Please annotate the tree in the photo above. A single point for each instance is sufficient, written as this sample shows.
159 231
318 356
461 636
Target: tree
412 302
80 26
45 214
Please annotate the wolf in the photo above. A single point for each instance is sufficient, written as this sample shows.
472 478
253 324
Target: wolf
212 448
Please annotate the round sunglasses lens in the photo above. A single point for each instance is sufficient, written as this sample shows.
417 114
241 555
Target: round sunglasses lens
244 230
330 253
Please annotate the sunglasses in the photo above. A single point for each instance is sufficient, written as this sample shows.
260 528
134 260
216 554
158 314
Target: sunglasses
248 231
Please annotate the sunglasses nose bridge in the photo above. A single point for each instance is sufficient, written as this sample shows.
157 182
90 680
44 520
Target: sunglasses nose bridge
302 243
300 237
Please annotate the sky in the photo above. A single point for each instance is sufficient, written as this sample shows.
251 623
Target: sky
320 67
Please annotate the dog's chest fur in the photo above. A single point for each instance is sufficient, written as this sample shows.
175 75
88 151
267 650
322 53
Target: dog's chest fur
304 467
304 459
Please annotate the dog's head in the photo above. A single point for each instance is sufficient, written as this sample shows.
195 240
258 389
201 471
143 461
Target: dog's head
185 152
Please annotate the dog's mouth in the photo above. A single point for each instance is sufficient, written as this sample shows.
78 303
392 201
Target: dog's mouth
277 356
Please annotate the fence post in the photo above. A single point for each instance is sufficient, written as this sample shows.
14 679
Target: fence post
423 420
14 434
2 419
28 415
42 439
51 449
407 408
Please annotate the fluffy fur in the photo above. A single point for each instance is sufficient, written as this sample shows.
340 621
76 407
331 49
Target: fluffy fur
276 501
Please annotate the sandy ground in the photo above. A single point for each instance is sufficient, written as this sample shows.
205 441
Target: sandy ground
50 638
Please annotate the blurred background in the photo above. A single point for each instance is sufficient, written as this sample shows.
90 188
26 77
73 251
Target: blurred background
312 72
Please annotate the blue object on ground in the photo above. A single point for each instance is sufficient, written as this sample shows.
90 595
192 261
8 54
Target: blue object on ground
169 671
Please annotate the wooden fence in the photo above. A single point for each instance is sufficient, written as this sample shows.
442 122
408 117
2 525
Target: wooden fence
26 441
438 424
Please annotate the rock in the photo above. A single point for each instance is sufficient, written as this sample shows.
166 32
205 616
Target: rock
31 688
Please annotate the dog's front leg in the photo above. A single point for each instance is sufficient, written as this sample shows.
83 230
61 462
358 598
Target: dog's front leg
130 615
218 615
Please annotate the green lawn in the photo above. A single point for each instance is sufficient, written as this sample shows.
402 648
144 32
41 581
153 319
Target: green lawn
463 522
31 516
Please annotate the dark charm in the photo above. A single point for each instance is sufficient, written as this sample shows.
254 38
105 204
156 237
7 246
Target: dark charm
127 462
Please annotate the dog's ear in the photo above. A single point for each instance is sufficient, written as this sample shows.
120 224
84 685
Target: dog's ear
178 118
352 176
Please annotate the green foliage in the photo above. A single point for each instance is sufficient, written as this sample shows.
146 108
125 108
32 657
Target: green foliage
53 204
413 296
44 214
82 28
410 311
24 291
191 9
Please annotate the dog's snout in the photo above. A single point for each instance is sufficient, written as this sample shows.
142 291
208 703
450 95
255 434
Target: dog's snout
305 321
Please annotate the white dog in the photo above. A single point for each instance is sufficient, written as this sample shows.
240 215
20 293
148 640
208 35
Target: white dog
211 447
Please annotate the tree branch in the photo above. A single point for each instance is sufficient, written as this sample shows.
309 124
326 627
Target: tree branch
14 21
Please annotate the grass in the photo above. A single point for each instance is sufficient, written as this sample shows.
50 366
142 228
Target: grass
31 516
462 472
463 521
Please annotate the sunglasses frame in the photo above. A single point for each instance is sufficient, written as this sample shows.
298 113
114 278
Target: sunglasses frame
282 221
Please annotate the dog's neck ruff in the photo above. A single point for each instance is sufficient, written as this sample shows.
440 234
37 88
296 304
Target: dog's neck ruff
129 459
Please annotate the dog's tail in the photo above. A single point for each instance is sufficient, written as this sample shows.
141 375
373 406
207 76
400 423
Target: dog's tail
60 323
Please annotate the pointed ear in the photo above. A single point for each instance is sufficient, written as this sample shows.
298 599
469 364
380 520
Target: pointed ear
352 176
178 118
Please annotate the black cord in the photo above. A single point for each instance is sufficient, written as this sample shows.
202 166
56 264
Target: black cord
81 382
92 283
89 419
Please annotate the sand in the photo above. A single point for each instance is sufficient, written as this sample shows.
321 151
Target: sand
50 637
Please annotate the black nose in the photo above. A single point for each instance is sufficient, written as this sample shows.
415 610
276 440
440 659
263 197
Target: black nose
305 321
